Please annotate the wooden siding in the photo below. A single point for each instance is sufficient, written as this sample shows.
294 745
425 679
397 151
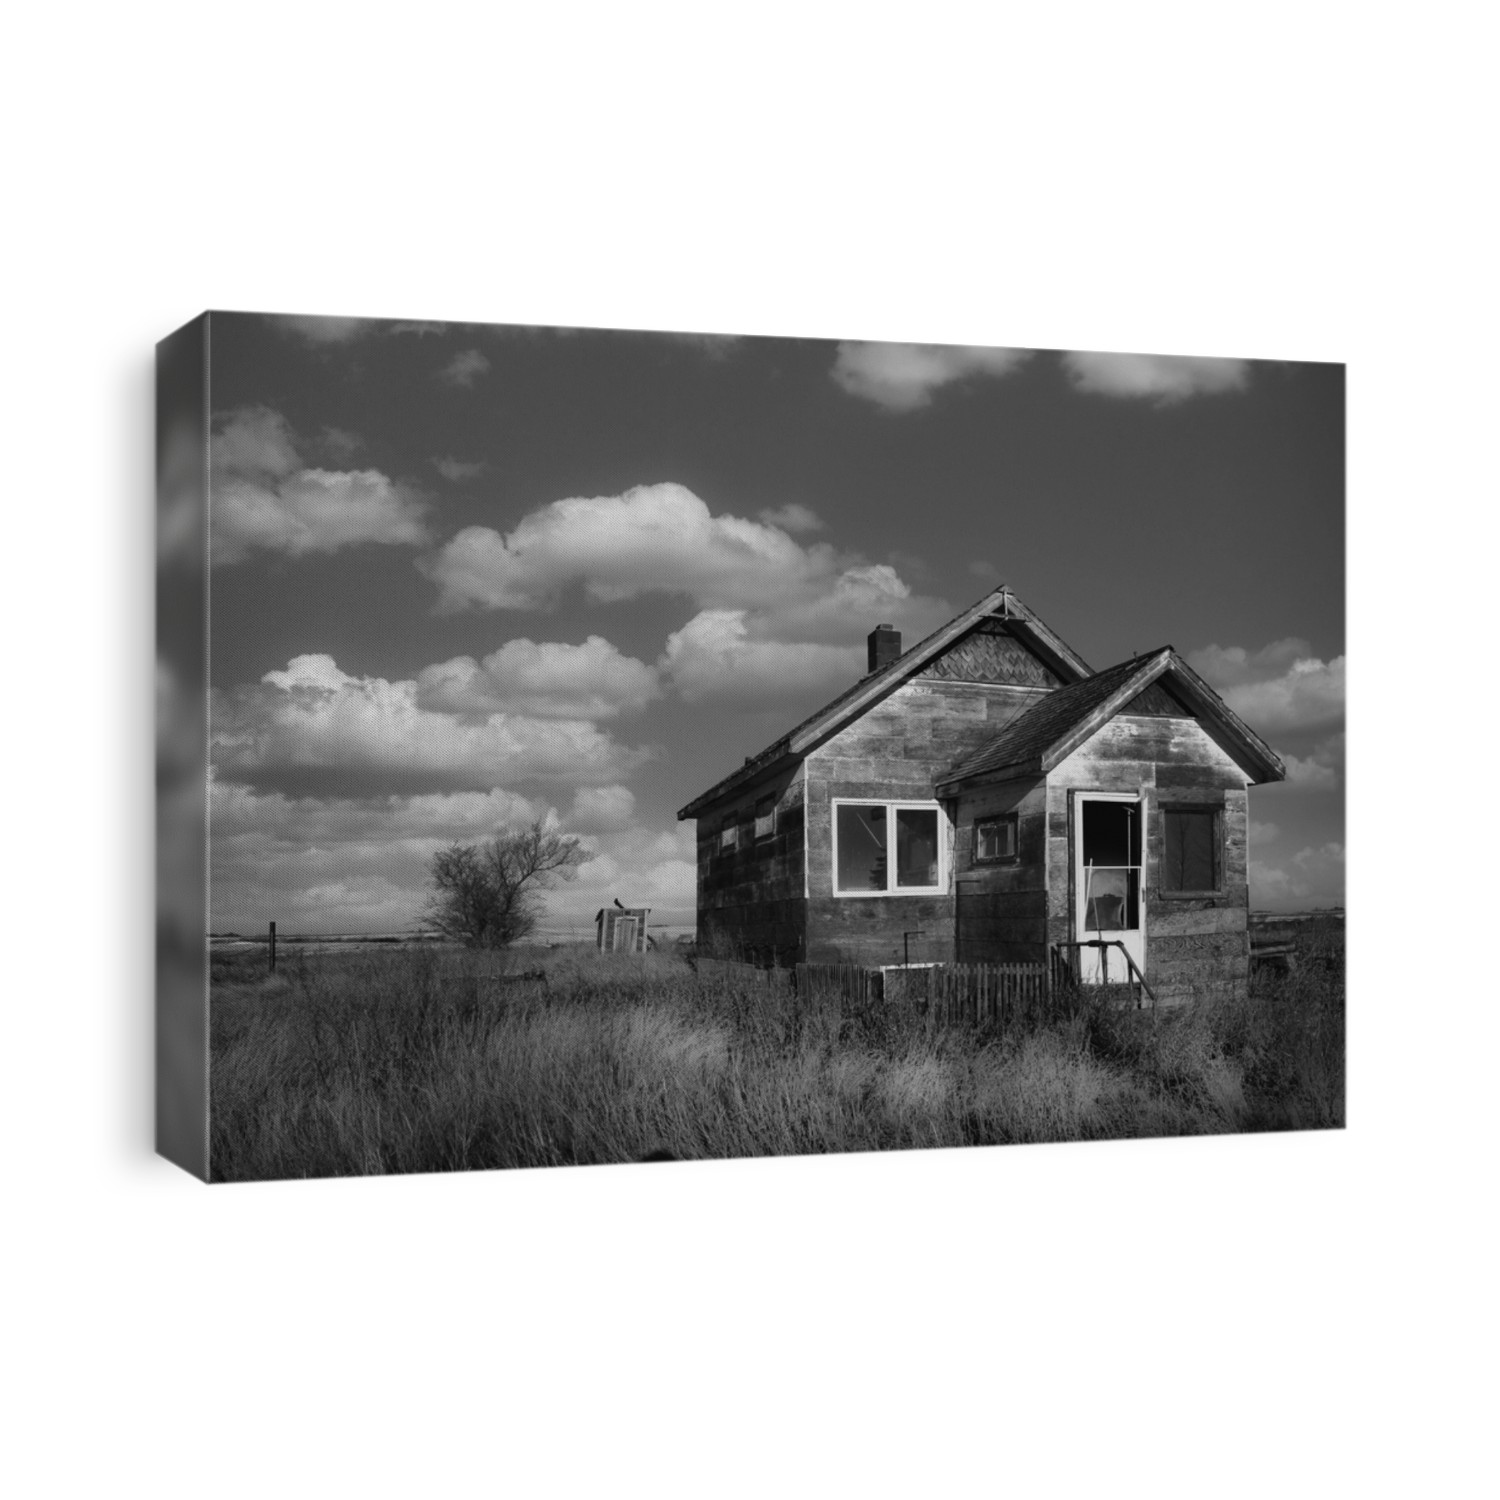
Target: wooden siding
750 899
894 752
1001 910
1001 926
1194 946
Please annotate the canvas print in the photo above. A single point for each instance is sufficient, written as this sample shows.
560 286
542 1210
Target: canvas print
594 746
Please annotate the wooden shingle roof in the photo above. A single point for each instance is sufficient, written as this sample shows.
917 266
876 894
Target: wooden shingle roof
1025 741
1047 734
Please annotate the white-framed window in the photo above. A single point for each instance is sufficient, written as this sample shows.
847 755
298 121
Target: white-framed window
729 834
997 840
888 848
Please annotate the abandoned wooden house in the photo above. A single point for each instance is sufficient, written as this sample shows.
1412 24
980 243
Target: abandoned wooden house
985 797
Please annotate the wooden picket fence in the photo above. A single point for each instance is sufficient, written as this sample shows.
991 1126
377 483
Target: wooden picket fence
852 987
994 996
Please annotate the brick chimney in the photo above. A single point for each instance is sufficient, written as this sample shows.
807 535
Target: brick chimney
885 646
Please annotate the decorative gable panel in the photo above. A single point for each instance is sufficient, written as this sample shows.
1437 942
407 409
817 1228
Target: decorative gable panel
990 653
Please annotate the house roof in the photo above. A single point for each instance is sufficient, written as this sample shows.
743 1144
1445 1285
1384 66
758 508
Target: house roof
1044 736
999 603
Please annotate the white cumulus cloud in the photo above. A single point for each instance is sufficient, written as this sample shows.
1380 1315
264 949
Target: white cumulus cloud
662 538
1310 772
545 679
1281 687
456 470
715 656
323 331
902 377
1313 876
600 809
316 330
637 867
464 368
313 717
1165 378
261 496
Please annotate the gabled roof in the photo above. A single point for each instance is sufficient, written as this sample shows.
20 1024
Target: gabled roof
1000 603
1044 736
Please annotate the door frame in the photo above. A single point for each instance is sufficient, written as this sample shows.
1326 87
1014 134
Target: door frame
1089 959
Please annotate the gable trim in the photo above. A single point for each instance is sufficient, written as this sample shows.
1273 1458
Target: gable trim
1245 745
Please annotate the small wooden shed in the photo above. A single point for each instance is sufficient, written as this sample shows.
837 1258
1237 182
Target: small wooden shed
987 797
621 929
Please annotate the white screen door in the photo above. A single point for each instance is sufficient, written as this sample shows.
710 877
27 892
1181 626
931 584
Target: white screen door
1107 842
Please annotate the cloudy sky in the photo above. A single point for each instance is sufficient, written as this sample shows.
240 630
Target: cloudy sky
464 576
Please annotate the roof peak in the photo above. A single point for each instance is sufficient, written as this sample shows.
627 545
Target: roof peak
1042 737
875 685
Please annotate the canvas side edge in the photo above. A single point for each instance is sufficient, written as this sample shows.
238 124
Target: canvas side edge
182 418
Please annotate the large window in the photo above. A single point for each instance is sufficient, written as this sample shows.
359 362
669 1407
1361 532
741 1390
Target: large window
887 848
1190 859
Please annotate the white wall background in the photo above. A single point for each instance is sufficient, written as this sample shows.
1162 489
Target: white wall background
1291 1315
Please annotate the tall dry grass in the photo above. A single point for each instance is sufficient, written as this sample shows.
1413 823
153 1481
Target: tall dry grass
417 1061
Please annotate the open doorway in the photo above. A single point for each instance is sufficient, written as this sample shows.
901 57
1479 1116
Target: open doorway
1107 842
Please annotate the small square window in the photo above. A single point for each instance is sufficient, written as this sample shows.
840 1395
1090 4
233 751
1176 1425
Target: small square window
996 839
765 818
729 836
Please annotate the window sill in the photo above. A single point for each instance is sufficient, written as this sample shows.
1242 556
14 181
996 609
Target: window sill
905 890
1189 895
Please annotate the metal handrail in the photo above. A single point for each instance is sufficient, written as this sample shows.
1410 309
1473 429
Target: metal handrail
1139 977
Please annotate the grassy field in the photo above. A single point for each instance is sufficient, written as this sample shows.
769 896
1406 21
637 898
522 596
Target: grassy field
420 1061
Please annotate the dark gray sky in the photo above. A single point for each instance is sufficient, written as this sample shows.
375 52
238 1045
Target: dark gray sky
454 646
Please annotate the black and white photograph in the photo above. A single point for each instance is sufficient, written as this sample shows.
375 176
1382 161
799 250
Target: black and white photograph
632 747
747 751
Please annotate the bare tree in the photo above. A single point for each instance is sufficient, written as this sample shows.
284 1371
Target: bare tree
490 895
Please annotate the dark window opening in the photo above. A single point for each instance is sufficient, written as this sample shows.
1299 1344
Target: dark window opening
1190 849
1111 866
916 847
867 835
861 836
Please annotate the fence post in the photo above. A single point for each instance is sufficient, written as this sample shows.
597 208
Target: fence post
273 948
